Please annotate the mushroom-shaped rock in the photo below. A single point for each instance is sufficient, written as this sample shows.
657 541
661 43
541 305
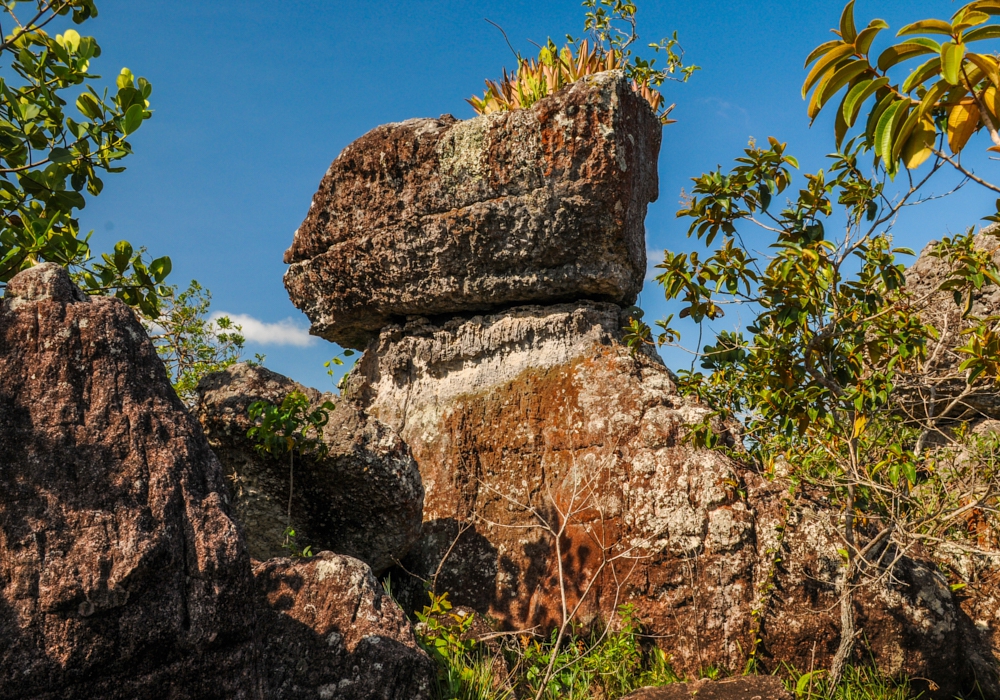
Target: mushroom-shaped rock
122 574
363 497
435 216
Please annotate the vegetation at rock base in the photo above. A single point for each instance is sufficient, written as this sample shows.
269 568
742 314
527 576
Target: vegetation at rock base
608 663
837 378
51 156
611 29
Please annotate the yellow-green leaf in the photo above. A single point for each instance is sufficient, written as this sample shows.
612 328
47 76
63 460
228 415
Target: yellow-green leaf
845 74
831 59
864 41
884 102
822 49
990 7
971 19
936 92
848 30
900 138
987 64
857 95
922 74
990 32
816 103
926 26
887 127
920 145
900 52
951 61
962 123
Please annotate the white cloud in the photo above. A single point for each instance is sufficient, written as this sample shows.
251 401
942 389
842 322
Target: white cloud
654 256
286 332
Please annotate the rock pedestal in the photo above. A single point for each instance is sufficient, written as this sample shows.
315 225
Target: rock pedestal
122 573
438 216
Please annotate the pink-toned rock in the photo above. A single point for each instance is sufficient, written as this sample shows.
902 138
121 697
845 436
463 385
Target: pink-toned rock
122 574
437 216
328 630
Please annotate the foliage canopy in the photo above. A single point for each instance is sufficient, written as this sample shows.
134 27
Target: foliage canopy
51 154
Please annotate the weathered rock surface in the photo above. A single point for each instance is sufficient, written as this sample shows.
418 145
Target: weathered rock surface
435 216
539 417
329 631
122 574
923 279
745 688
364 498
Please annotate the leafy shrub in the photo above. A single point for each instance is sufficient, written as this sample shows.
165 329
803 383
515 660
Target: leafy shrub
607 49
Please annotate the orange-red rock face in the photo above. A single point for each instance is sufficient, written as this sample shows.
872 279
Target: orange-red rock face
537 420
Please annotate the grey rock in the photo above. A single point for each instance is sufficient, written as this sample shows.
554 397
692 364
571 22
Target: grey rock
364 498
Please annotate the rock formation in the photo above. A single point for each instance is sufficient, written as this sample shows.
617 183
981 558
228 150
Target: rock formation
363 498
438 216
486 264
328 630
122 573
943 380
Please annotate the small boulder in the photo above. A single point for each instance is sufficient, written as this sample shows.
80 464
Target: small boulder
328 630
122 574
363 498
435 216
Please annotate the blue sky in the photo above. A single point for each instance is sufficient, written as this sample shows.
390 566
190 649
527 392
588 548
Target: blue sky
254 99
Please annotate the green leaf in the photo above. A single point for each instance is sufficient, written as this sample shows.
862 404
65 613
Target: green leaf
133 119
876 114
930 99
61 156
902 135
89 106
848 30
821 50
160 268
886 125
857 96
951 61
926 26
123 256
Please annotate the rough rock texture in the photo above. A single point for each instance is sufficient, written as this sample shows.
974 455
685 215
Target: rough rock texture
745 688
329 631
122 574
540 415
923 279
363 499
434 216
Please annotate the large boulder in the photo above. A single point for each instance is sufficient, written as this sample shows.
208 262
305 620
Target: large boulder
942 379
122 573
435 216
362 498
555 460
328 630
